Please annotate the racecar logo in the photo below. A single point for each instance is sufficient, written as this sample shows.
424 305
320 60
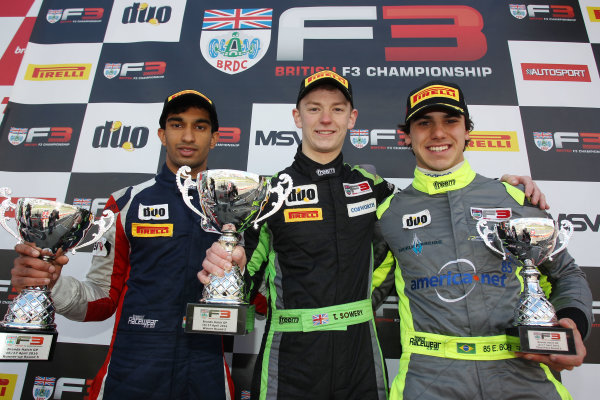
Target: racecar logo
234 40
357 189
155 212
57 72
492 214
459 273
434 90
556 72
151 230
301 195
361 208
303 214
418 220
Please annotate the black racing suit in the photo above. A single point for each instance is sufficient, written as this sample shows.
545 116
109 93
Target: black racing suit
316 259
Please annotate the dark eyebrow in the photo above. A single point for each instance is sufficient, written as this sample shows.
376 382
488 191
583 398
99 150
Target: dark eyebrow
198 121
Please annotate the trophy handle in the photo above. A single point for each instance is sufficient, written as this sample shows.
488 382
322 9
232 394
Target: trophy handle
7 205
565 234
103 226
188 183
282 194
484 233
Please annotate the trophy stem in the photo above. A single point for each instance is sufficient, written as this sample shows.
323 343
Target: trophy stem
533 307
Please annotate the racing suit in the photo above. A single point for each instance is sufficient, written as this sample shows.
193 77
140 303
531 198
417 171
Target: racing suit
456 297
316 259
145 269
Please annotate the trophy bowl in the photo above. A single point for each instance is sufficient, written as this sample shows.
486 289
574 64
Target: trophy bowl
531 241
51 226
231 201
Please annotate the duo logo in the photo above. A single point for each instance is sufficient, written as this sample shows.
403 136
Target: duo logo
448 277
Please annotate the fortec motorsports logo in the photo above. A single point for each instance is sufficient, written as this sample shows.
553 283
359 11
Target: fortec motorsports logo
456 280
556 72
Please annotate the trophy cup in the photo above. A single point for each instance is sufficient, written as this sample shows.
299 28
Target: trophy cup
231 201
532 241
28 331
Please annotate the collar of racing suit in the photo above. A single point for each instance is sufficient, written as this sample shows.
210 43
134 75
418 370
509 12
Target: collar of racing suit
316 171
444 183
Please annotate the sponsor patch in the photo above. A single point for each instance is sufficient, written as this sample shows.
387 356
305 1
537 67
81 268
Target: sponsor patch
363 207
325 74
434 90
303 214
324 172
356 189
154 212
492 214
142 321
301 195
418 220
466 348
320 319
151 230
101 248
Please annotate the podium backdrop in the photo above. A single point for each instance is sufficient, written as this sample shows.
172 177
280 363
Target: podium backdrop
82 87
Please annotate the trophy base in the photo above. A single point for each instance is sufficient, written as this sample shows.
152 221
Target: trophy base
219 319
544 339
27 344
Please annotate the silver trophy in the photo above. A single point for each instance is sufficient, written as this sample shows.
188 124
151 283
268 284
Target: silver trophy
532 241
28 331
231 201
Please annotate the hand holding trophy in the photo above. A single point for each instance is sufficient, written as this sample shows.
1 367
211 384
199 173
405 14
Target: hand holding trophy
28 331
532 241
228 198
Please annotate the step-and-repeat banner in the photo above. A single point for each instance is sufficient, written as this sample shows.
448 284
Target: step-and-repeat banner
82 87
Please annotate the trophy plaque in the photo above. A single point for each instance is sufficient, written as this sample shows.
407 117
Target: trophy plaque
532 241
231 201
28 331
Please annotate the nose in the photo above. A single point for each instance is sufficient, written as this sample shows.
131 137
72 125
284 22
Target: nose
325 117
188 134
438 130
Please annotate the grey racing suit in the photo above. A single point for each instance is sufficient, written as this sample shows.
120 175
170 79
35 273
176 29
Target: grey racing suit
456 297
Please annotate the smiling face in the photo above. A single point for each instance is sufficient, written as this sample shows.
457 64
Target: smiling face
324 115
438 139
188 139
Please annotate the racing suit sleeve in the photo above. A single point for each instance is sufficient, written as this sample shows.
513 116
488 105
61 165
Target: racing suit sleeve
96 298
385 265
257 247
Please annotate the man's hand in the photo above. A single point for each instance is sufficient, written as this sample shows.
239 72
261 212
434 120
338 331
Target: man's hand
218 261
560 362
29 270
532 191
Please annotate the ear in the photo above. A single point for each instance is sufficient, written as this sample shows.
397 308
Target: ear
407 140
214 139
161 136
297 119
352 119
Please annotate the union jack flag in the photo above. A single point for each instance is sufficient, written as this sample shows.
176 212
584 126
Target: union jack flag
44 380
239 18
245 395
320 319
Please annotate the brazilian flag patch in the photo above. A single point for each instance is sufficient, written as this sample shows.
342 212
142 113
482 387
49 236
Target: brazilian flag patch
465 348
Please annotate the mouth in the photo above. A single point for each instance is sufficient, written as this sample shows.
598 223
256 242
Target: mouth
439 148
186 151
325 132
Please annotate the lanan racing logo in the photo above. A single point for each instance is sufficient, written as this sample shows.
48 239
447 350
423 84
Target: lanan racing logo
459 273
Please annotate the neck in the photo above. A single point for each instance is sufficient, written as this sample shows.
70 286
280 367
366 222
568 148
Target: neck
430 172
321 158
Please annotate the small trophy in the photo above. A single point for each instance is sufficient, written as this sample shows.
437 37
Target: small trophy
532 241
28 331
237 199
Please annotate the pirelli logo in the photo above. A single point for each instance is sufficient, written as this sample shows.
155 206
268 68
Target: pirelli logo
58 72
151 230
325 74
303 214
493 141
594 13
431 91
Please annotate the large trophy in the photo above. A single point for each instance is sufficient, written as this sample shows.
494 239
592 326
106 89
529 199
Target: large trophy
231 201
532 241
28 331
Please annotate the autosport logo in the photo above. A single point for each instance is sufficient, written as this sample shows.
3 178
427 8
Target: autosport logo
556 72
459 273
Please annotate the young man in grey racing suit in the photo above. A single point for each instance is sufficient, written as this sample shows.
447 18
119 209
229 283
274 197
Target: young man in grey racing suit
455 296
